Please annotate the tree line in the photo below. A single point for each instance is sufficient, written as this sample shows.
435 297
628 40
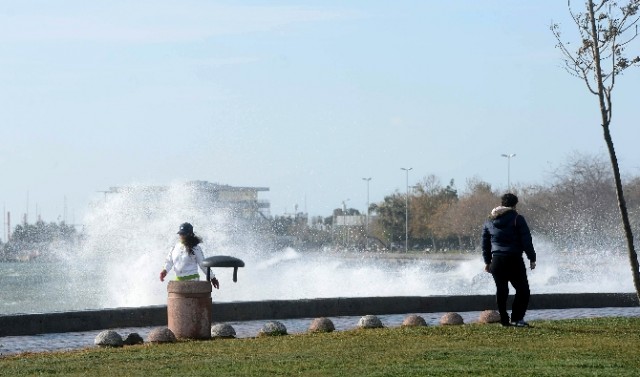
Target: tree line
575 209
31 240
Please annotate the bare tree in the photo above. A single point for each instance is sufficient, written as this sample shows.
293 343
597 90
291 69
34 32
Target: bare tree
472 209
606 28
577 208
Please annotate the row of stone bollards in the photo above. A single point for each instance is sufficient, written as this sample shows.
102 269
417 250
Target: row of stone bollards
324 324
189 310
111 338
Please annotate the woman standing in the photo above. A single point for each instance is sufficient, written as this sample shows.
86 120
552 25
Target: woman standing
185 257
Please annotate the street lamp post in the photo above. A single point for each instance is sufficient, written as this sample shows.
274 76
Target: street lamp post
366 220
406 213
508 157
344 222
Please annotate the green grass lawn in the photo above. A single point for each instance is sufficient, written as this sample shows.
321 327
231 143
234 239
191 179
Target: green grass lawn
584 347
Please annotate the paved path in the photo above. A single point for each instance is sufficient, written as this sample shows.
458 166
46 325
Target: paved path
12 345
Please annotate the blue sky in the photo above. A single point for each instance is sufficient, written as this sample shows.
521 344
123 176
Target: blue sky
303 97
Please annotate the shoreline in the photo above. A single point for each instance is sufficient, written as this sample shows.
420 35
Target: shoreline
73 321
71 341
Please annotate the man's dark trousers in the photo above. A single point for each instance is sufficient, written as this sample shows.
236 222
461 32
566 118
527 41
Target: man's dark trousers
505 270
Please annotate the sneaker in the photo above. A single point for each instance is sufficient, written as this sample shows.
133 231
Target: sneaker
520 323
505 324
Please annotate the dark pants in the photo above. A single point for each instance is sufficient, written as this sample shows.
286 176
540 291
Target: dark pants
507 270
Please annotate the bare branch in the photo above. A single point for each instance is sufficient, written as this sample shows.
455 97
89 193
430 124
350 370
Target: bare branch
613 73
561 45
578 19
635 35
602 4
624 29
599 42
627 12
585 76
607 93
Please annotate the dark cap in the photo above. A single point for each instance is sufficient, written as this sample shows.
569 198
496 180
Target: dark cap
185 228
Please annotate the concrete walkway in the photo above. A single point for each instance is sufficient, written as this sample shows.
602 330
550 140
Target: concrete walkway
12 345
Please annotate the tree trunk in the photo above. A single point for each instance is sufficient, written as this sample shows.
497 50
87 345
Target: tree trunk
604 98
622 205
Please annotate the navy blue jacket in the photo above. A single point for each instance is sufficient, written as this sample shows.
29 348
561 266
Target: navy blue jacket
507 234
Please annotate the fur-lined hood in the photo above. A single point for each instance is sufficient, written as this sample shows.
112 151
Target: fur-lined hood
499 211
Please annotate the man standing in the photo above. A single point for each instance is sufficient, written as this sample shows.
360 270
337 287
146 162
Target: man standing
505 236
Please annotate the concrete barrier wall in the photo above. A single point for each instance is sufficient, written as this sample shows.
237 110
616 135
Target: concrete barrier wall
31 324
60 322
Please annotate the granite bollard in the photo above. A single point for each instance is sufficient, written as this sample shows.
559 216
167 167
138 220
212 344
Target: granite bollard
413 320
489 316
370 322
108 338
133 339
161 335
189 309
321 325
222 330
451 319
273 328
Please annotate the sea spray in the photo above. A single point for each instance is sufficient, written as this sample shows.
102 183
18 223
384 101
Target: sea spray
127 236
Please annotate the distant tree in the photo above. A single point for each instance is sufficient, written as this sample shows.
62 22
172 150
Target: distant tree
317 221
472 209
606 29
282 225
428 205
390 218
577 207
40 232
442 224
346 212
632 195
448 197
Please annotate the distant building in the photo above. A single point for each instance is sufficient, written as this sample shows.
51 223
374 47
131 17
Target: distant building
349 220
241 202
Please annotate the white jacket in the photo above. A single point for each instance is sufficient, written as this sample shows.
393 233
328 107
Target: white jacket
183 262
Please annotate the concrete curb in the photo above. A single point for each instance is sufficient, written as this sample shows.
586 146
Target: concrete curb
61 322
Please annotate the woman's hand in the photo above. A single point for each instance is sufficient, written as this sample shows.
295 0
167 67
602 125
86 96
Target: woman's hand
163 274
215 283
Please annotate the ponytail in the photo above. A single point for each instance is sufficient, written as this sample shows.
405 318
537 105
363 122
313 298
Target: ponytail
191 241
